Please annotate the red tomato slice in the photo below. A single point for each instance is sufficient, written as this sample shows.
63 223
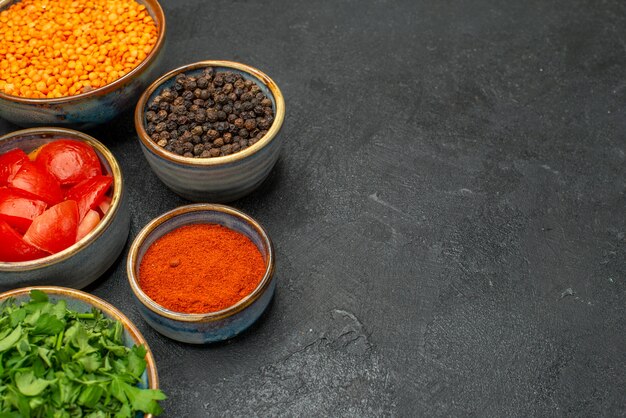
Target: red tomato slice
55 229
14 248
89 193
36 181
69 161
89 222
10 163
19 209
105 205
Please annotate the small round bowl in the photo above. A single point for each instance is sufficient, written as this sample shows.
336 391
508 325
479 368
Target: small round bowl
96 106
83 302
218 179
213 326
82 263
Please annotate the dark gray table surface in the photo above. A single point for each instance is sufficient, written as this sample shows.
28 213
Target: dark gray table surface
448 210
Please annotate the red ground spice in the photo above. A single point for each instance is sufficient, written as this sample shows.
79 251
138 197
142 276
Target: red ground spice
201 268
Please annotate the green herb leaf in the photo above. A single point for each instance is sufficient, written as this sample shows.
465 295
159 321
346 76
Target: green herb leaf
38 296
10 340
29 385
48 325
55 362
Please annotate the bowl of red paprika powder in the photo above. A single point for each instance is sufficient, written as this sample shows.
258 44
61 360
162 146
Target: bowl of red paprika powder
201 273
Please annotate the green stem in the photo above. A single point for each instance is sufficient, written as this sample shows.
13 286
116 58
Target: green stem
60 339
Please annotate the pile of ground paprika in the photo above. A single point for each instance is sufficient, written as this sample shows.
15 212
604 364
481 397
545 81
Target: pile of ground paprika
200 268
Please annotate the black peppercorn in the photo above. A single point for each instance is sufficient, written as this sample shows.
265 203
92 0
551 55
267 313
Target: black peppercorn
200 116
208 72
198 149
160 127
211 115
263 124
221 126
212 134
215 113
250 124
220 98
202 82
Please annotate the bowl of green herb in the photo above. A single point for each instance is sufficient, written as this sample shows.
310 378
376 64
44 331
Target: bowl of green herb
64 352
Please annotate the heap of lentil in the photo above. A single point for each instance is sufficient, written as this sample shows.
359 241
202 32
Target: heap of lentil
58 48
211 115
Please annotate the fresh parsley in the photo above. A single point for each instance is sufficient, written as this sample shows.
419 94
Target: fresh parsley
55 362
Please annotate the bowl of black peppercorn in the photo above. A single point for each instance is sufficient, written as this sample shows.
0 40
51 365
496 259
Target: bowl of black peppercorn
209 130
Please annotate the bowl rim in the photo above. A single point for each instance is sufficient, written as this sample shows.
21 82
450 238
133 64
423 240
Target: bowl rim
146 301
151 370
159 18
213 161
105 222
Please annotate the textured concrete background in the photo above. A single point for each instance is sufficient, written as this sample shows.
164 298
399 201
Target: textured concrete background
448 210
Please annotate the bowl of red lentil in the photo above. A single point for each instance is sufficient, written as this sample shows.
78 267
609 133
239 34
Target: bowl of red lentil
76 64
201 273
210 130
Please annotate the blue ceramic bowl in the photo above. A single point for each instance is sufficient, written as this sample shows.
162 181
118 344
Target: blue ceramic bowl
83 302
82 263
213 326
219 179
94 107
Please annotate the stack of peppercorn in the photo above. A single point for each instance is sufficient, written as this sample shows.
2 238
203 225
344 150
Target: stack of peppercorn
214 114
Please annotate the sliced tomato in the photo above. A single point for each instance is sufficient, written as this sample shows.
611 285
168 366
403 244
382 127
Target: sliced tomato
89 222
38 182
10 163
89 193
19 209
55 229
14 248
105 205
69 161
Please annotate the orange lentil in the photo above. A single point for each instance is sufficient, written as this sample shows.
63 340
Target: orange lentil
65 47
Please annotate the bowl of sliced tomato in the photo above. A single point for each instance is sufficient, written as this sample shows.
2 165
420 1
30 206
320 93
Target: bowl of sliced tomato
64 217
